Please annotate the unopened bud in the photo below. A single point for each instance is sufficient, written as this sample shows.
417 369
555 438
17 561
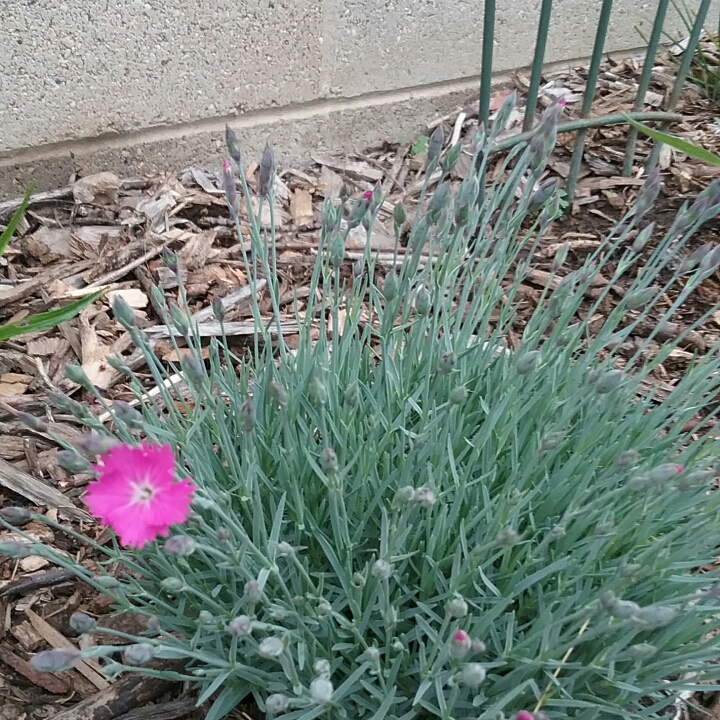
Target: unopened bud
434 146
205 617
458 395
180 546
662 473
472 674
233 146
123 312
73 462
527 362
478 645
218 308
318 392
447 362
278 393
14 549
542 195
246 416
358 580
222 534
230 188
642 238
252 592
382 569
76 374
93 444
31 421
172 585
507 537
128 415
403 496
637 299
627 458
329 461
641 651
551 441
194 370
17 516
81 622
241 626
452 157
460 645
439 200
560 257
108 582
623 609
336 249
457 607
399 215
271 647
391 285
609 381
647 194
267 171
654 616
358 212
138 654
277 703
422 301
351 394
56 660
321 690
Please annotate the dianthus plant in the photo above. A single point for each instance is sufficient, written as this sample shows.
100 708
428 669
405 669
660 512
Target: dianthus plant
426 508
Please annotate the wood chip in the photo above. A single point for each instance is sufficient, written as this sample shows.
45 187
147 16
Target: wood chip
196 250
301 208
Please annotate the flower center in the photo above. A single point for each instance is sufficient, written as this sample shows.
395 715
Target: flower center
142 492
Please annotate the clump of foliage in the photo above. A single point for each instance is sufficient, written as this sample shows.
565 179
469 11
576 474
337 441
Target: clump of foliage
407 517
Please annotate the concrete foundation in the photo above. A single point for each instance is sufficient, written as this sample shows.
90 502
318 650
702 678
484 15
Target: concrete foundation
144 85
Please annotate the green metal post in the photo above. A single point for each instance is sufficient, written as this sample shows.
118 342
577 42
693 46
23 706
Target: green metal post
589 95
645 82
681 76
487 61
537 66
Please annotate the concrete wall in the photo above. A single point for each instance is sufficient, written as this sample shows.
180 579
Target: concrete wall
142 85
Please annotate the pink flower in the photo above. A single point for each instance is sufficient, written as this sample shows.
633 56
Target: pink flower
136 493
524 715
367 195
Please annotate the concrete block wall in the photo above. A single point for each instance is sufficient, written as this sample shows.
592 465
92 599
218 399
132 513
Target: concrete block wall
145 85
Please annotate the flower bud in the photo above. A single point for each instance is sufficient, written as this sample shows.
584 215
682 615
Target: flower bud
447 362
329 461
623 609
241 626
507 537
351 394
336 250
318 392
17 516
179 546
662 473
252 592
93 444
542 195
460 645
233 146
180 320
77 375
205 617
458 395
452 157
647 194
108 582
551 441
172 585
525 715
403 496
246 416
31 421
324 608
138 654
478 645
222 534
472 674
560 257
637 299
690 480
424 497
422 301
218 308
321 690
116 363
609 381
271 647
391 285
73 462
56 660
642 238
123 312
278 393
527 362
284 549
277 703
434 146
128 415
82 622
641 651
457 607
267 171
439 200
627 458
382 569
358 212
358 580
230 188
399 216
654 616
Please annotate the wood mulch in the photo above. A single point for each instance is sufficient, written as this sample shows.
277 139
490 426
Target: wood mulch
110 232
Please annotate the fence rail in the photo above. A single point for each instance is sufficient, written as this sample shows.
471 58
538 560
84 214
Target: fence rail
666 117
